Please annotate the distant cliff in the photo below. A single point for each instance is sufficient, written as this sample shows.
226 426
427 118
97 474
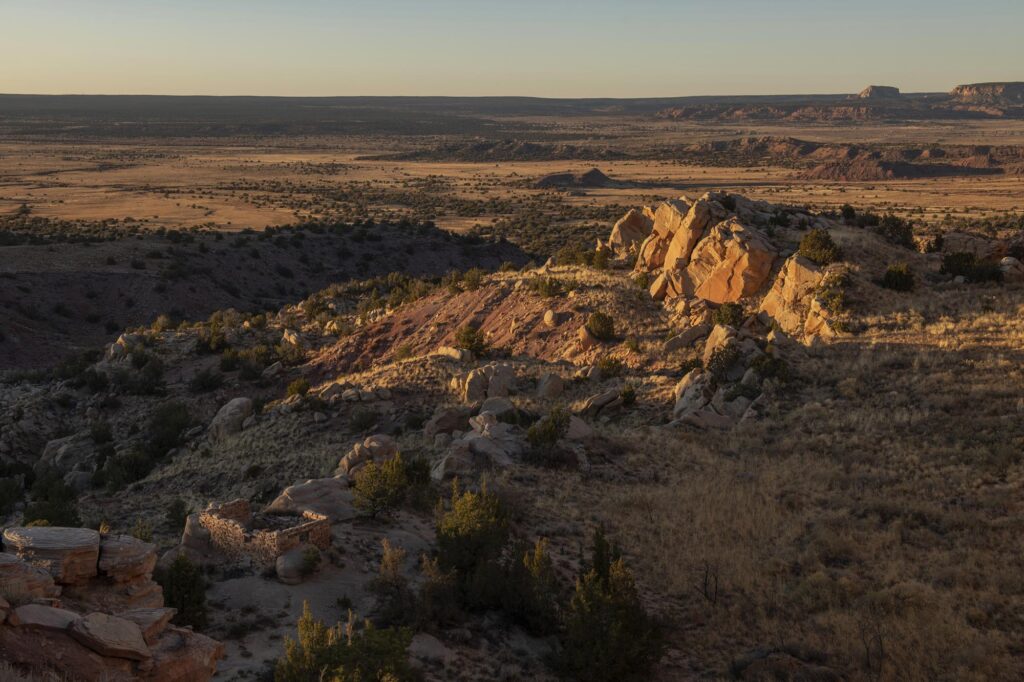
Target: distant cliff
990 93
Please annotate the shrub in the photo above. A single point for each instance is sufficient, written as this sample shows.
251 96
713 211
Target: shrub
362 418
142 530
896 230
628 395
53 501
898 277
601 326
380 489
344 653
548 430
609 367
472 339
205 381
298 387
396 602
548 287
177 514
531 589
184 590
967 265
471 535
607 634
310 561
817 246
723 360
437 601
472 279
729 314
165 428
769 367
848 212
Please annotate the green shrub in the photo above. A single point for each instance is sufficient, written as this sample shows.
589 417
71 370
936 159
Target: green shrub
548 287
769 367
53 501
298 387
609 367
967 265
729 314
184 590
472 279
177 514
310 561
362 418
531 589
817 246
396 602
548 430
380 489
345 653
898 277
437 602
205 381
607 635
896 230
848 212
142 530
628 395
472 339
723 360
601 326
471 535
166 427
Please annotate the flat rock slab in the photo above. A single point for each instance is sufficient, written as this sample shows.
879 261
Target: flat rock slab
123 557
70 554
151 622
111 636
43 617
22 579
328 496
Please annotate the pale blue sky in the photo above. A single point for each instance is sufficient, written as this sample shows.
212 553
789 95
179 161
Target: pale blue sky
546 48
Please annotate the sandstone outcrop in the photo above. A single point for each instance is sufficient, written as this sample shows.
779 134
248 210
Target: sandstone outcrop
789 299
377 448
83 620
489 444
493 380
630 231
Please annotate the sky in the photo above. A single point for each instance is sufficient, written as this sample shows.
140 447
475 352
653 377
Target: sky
550 48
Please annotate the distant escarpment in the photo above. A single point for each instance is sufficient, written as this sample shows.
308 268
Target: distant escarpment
501 150
990 93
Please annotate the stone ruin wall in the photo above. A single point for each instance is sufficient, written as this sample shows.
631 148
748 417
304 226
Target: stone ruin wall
228 534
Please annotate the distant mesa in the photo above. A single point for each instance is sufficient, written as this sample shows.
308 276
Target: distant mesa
591 179
879 92
990 93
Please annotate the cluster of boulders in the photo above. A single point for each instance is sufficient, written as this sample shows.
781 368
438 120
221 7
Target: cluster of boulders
340 391
84 604
493 380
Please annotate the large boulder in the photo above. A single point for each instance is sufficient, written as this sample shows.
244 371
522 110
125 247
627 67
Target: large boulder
550 386
110 636
293 567
70 452
667 219
687 230
229 419
630 231
24 580
70 555
692 393
730 263
448 419
328 496
1012 269
789 298
124 558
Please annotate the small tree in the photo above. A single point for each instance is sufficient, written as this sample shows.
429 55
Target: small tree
531 591
298 387
470 538
472 339
607 634
730 314
379 489
185 590
396 602
817 246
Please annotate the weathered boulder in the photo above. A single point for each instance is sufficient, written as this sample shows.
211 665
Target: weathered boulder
578 429
789 298
294 566
586 340
595 403
1012 269
667 219
181 655
720 337
687 337
378 448
426 647
41 617
448 419
692 393
457 354
70 452
151 622
493 380
730 263
110 636
550 386
629 231
498 406
820 323
229 419
70 555
331 497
